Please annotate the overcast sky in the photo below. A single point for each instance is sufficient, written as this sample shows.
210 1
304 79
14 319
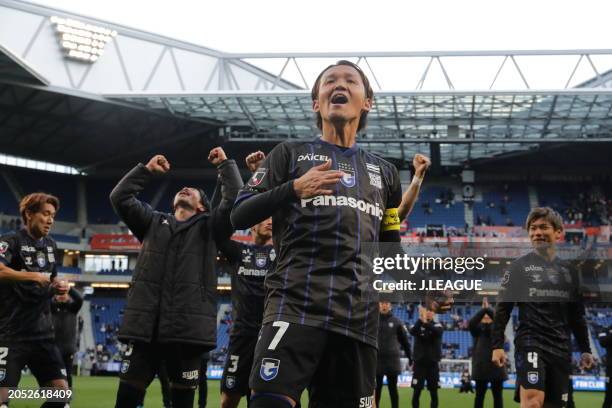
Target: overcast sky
375 25
333 25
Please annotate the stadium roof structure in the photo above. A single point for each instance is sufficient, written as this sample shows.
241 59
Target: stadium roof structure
143 91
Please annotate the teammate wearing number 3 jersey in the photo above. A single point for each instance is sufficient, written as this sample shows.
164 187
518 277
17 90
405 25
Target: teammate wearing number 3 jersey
326 197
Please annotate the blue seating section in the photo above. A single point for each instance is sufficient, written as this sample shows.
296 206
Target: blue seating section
517 205
62 186
109 311
99 209
69 269
8 204
453 216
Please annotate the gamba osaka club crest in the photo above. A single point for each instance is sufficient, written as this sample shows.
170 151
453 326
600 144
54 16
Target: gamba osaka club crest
348 180
269 368
261 259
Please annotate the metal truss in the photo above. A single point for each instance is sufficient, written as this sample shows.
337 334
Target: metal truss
449 70
490 122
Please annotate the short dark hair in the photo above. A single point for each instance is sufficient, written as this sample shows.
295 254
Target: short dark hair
33 203
547 214
314 93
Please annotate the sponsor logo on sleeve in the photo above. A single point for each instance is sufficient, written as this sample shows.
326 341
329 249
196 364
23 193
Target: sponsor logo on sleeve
257 177
4 246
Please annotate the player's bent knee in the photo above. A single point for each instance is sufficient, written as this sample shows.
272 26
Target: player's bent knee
265 400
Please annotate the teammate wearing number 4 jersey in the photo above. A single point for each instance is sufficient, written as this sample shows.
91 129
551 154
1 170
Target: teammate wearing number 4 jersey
547 291
326 197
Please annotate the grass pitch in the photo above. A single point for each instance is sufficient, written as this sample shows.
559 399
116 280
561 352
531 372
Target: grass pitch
99 392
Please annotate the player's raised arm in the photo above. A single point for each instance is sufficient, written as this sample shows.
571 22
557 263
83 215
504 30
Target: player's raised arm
136 214
231 183
421 163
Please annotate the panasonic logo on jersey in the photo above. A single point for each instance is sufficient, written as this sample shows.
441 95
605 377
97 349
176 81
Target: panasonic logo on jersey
251 272
342 201
312 157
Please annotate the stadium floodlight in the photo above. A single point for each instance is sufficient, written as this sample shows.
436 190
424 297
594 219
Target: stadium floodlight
37 165
81 41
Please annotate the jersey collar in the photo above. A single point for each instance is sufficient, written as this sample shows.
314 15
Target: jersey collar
346 152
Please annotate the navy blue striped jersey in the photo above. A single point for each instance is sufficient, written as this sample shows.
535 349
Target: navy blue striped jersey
321 277
549 299
25 307
251 265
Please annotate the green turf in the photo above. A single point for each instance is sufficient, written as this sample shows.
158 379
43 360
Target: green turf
99 392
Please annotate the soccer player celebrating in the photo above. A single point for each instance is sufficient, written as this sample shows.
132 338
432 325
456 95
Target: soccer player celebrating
483 369
28 266
171 307
550 309
252 262
326 197
392 335
420 163
427 354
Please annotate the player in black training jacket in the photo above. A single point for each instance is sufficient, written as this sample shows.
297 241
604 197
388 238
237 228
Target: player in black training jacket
64 309
251 264
28 267
483 369
392 335
426 354
171 308
548 294
326 197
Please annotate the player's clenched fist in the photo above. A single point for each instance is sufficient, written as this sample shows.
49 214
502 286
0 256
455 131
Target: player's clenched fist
499 357
253 160
158 164
317 181
61 286
217 156
421 163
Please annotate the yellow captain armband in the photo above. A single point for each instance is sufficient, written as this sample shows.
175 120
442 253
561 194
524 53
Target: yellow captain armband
391 221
